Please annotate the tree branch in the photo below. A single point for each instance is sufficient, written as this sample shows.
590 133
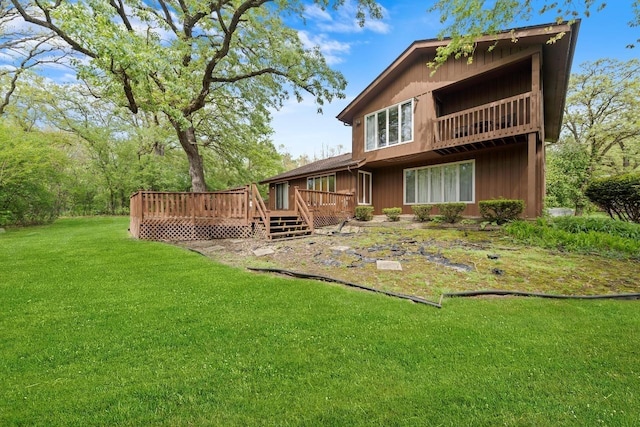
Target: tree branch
48 24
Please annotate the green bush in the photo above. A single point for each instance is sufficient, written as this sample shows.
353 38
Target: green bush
421 212
451 211
501 210
364 213
619 196
393 214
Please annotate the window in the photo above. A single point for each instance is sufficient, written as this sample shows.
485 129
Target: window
389 127
322 183
364 188
451 182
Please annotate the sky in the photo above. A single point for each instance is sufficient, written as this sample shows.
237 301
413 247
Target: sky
361 54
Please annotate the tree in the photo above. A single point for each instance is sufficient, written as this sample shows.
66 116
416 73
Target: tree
23 51
180 57
30 176
467 20
602 113
566 174
601 129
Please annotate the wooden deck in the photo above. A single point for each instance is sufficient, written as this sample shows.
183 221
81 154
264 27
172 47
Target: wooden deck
494 123
236 213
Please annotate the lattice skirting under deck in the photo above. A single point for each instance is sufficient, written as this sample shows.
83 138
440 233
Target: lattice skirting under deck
320 221
188 230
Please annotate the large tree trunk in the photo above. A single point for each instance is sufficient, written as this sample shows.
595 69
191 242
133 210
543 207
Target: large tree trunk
187 138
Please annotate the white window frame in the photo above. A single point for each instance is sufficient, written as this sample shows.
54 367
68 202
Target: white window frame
361 176
442 166
374 114
335 183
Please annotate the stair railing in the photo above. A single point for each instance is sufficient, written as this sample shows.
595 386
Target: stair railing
259 206
302 209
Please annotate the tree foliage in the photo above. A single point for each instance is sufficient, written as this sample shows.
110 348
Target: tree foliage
603 112
601 130
30 176
466 20
566 173
190 59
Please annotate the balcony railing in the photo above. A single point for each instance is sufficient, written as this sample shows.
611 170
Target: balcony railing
499 119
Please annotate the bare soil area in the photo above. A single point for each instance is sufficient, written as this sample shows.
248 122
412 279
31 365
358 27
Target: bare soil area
432 260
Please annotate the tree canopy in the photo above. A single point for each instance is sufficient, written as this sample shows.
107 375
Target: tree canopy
601 130
196 63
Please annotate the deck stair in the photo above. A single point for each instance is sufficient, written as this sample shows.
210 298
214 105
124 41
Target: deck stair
287 226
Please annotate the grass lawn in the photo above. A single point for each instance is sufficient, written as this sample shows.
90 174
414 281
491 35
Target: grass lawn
100 329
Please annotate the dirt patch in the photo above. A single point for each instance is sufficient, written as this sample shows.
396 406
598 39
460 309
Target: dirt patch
433 260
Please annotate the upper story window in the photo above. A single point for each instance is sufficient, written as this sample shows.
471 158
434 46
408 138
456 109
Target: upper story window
389 127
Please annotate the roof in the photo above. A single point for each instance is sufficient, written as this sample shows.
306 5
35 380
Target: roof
331 164
557 59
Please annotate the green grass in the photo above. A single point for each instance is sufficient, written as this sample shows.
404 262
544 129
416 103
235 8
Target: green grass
100 329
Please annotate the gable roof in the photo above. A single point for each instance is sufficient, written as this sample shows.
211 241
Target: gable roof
331 164
557 59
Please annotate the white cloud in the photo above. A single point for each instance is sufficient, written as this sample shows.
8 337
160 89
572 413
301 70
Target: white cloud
313 11
331 49
344 20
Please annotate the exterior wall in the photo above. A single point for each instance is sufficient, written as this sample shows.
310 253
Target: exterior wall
499 172
417 82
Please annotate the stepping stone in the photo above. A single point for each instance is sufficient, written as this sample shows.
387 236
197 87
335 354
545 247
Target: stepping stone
263 251
388 265
340 248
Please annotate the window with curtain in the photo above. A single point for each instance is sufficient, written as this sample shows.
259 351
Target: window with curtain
451 182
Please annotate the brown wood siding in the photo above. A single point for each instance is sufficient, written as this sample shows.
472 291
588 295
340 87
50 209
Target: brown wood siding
417 82
499 172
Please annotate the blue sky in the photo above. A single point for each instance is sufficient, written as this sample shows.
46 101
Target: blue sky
361 54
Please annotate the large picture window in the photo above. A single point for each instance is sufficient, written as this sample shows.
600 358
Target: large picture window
391 126
451 182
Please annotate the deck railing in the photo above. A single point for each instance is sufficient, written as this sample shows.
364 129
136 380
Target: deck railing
328 203
216 205
506 117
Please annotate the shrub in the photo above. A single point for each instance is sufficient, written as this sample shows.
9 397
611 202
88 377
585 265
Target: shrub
617 195
393 214
451 211
421 212
501 210
364 213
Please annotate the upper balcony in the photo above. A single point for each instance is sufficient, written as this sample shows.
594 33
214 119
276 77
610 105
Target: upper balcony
487 125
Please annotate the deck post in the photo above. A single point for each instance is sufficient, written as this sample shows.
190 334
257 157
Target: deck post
532 180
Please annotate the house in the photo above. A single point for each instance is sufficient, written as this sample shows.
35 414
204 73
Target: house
466 133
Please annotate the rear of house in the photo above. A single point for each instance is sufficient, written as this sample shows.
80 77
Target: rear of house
466 133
